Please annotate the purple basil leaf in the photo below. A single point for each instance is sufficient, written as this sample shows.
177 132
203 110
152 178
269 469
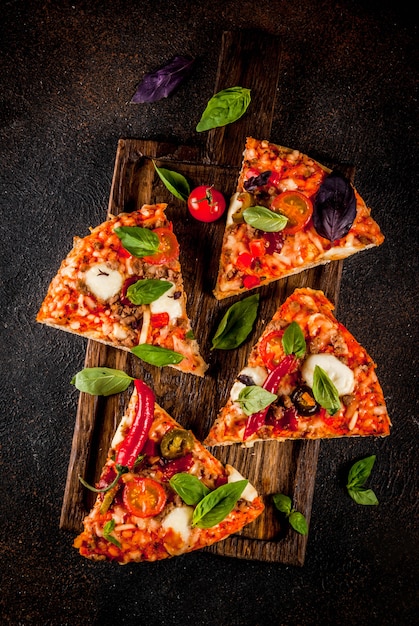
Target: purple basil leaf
254 182
334 207
161 83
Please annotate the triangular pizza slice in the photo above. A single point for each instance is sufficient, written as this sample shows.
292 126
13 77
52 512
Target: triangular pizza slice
161 492
289 213
122 285
306 378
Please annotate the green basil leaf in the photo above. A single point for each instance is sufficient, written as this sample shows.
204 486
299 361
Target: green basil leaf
173 181
360 471
298 522
254 398
101 381
283 503
224 107
147 290
236 324
325 391
215 507
363 496
107 529
189 488
155 355
137 240
293 340
264 219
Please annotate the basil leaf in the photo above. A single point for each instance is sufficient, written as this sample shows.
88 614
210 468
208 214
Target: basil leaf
147 290
325 391
360 471
224 107
155 355
173 181
293 340
189 488
255 182
137 240
215 507
236 324
363 496
298 522
107 529
283 503
334 209
264 219
162 82
101 381
253 399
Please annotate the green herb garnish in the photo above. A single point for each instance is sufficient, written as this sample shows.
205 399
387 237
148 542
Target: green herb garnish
236 324
138 241
155 355
147 290
217 504
296 519
224 107
264 219
120 469
101 381
357 477
173 181
189 488
253 399
293 340
325 391
107 530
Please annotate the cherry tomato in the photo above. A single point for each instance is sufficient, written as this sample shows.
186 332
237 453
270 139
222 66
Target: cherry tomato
296 207
271 349
168 247
206 204
144 497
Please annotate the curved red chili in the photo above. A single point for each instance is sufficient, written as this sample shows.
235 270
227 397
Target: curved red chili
136 438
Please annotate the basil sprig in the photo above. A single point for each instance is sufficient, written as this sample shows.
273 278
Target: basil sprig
357 477
173 181
155 355
101 381
293 340
147 290
253 399
224 107
264 219
324 391
296 519
137 240
236 324
211 507
120 469
107 530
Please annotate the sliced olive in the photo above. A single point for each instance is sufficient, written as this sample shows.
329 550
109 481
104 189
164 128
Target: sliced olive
303 400
176 443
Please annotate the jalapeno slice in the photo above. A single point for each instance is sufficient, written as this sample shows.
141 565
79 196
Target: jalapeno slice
303 400
176 442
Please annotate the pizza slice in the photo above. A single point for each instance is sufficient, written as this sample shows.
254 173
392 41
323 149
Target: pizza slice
161 493
306 378
289 213
122 285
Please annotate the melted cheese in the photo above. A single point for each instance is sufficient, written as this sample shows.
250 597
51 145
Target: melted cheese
179 520
103 281
234 475
257 374
339 373
168 304
235 205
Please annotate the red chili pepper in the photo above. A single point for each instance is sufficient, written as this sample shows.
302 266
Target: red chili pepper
256 420
134 442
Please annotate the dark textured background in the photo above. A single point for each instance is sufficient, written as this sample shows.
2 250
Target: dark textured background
348 91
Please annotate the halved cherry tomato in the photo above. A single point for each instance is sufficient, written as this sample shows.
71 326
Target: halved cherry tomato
271 349
144 497
296 207
168 247
206 204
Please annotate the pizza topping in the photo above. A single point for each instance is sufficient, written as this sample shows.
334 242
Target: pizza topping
138 241
303 399
296 207
146 291
271 349
334 207
137 435
103 281
156 355
168 302
340 374
176 442
264 219
143 496
256 180
167 248
234 476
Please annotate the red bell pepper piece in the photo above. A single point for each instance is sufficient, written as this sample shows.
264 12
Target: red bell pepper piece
136 438
182 464
256 420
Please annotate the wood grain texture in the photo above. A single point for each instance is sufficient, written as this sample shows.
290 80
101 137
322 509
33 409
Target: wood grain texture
272 467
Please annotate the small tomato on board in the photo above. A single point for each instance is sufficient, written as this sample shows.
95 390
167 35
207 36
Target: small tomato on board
206 204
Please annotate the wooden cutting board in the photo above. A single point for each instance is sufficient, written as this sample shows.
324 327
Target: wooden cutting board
252 60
